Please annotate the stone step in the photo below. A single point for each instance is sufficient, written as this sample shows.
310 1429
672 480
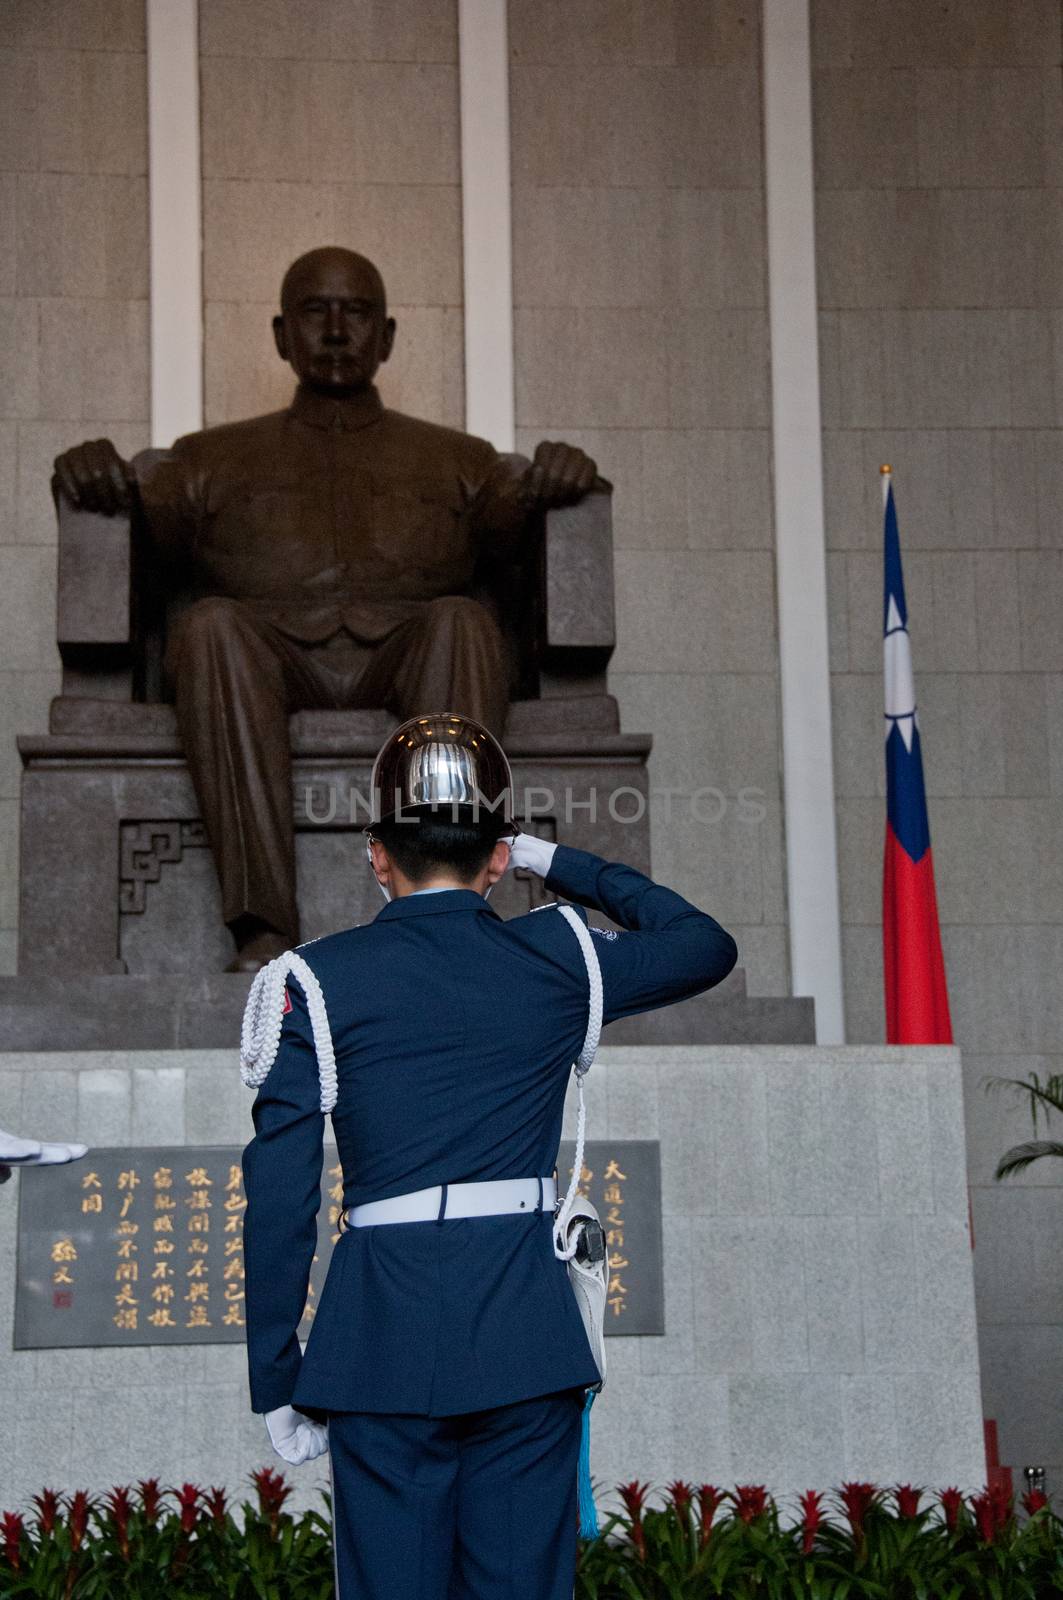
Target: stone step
174 1011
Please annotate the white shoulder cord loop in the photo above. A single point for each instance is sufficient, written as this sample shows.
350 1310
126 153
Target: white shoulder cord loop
581 1067
260 1031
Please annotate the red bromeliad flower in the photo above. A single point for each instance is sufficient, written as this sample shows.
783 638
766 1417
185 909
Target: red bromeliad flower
1002 1500
907 1500
215 1501
272 1489
709 1498
951 1500
984 1517
681 1495
812 1515
1033 1501
150 1498
188 1500
78 1506
992 1510
857 1500
11 1527
47 1503
120 1505
634 1497
751 1500
272 1493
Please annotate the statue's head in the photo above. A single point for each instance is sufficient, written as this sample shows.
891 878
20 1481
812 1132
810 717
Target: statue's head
333 325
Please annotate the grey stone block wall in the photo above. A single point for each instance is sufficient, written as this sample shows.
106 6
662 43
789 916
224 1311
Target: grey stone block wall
331 124
641 334
818 1291
73 321
938 169
819 1294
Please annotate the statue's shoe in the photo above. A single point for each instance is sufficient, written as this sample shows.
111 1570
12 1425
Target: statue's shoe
258 951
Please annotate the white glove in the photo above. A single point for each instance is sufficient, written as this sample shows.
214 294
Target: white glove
535 855
294 1437
36 1152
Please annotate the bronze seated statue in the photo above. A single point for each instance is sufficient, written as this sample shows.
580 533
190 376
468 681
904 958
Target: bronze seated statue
262 602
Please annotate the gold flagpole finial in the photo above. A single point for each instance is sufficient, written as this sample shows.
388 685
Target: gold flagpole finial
886 470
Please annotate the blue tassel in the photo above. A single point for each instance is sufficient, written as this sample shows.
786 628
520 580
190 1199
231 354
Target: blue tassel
588 1511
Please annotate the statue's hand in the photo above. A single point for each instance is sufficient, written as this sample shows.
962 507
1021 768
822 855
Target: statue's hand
559 475
94 476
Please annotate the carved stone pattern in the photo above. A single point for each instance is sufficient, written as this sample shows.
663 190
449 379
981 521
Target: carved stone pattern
144 849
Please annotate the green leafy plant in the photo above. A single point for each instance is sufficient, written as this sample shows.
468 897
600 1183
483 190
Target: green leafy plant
1043 1099
859 1543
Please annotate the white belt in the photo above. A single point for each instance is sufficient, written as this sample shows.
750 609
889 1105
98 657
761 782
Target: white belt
487 1199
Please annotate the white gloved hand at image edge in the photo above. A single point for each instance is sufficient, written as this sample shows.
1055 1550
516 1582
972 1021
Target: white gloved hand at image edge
294 1437
534 855
36 1152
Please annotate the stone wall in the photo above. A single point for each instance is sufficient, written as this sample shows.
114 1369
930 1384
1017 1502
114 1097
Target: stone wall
73 321
331 122
641 333
939 158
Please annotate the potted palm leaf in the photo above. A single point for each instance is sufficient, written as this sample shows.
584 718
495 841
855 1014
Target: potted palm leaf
1043 1099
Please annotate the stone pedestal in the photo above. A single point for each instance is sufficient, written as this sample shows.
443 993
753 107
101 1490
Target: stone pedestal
116 875
121 942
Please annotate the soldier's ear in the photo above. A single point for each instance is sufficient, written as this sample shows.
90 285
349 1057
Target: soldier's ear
280 337
387 340
499 861
377 856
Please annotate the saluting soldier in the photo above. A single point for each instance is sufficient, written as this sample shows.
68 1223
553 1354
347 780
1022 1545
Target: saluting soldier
447 1362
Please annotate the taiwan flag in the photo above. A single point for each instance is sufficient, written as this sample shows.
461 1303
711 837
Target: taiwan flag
917 1001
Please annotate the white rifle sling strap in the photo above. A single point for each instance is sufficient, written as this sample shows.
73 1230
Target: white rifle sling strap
260 1032
581 1066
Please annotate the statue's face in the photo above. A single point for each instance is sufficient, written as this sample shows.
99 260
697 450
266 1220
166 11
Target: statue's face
334 328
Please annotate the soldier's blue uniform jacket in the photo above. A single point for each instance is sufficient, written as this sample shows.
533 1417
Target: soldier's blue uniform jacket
455 1031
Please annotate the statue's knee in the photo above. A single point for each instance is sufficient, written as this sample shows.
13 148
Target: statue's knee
214 614
460 613
202 625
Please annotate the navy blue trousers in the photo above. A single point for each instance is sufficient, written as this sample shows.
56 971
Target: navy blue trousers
480 1506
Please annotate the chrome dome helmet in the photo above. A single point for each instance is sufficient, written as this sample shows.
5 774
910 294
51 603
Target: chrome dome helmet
445 763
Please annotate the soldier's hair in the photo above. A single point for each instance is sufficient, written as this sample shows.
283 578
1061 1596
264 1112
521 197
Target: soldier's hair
419 848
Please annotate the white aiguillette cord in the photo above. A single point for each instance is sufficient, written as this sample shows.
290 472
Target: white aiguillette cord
581 1066
260 1031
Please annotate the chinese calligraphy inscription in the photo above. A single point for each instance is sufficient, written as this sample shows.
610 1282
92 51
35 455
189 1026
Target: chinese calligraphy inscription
145 1245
